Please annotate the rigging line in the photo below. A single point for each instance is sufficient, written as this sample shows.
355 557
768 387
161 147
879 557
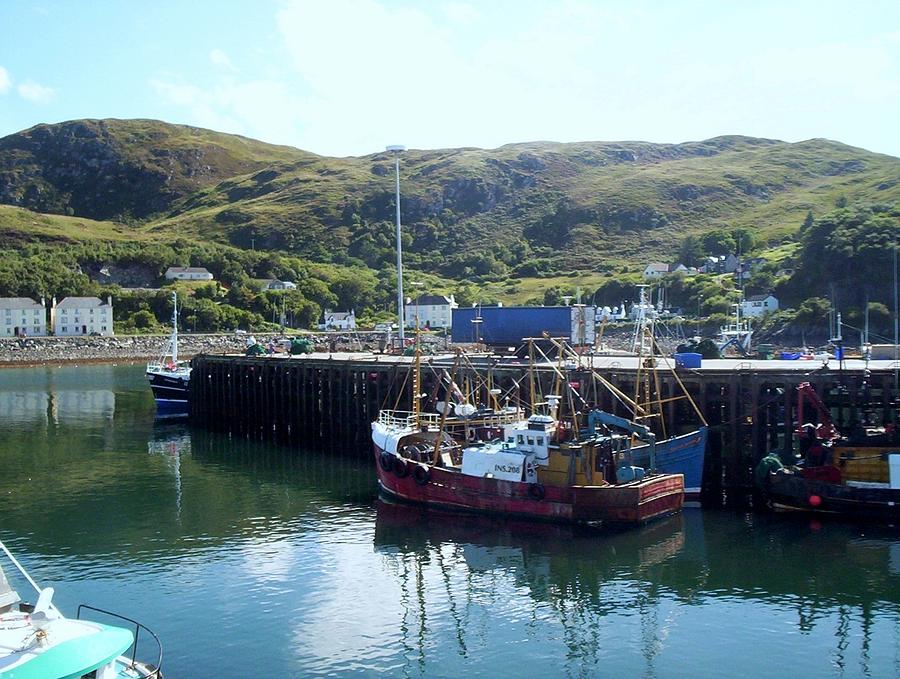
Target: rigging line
559 374
401 390
620 395
686 392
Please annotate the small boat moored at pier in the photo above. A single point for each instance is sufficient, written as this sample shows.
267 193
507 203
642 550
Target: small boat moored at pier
170 378
856 476
37 642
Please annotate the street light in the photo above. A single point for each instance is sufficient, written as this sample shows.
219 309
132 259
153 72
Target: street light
396 149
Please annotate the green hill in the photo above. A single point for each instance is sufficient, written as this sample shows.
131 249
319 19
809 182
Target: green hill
513 221
122 169
584 205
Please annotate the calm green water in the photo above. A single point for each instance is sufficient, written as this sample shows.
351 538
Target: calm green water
254 561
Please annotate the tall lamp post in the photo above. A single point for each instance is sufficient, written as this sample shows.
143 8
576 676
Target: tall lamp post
397 150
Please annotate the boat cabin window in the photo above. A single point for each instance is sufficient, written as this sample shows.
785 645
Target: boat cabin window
540 440
521 439
511 439
530 441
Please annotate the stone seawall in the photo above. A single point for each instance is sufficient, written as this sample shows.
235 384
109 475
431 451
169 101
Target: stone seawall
36 350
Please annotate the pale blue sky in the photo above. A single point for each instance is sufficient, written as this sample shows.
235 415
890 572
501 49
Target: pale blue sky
347 77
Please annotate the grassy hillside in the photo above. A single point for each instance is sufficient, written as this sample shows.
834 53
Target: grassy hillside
19 226
516 219
122 169
584 205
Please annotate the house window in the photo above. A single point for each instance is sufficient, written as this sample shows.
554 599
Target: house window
36 329
65 329
8 321
103 327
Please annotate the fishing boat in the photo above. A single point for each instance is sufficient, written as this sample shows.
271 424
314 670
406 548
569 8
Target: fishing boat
170 378
856 475
540 467
38 642
536 470
674 453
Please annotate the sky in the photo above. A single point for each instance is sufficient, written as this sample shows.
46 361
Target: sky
348 77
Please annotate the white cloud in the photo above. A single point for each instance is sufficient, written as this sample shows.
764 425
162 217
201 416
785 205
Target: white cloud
35 92
359 74
219 58
381 73
262 109
461 12
5 81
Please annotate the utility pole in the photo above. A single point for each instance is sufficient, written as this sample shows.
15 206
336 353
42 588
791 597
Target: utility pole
397 150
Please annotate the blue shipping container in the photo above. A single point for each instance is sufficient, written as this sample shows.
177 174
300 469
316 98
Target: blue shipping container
508 326
688 360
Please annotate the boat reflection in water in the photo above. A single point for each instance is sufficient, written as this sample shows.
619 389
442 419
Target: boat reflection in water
634 600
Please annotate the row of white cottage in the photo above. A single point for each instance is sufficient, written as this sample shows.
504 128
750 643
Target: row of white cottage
23 317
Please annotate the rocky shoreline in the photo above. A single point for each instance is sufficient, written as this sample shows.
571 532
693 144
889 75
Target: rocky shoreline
49 350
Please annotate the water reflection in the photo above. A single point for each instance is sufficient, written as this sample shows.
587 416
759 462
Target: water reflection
649 583
249 558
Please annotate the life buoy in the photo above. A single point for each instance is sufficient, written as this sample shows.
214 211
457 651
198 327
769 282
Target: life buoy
536 491
386 460
401 468
421 474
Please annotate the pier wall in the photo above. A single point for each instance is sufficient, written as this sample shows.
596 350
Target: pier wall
327 402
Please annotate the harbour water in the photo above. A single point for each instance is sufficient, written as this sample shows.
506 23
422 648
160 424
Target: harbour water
251 560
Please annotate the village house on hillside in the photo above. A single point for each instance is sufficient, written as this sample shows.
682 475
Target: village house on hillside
655 270
22 317
276 284
82 316
188 273
757 305
339 320
433 311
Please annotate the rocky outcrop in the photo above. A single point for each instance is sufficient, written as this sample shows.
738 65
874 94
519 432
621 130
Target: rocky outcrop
112 169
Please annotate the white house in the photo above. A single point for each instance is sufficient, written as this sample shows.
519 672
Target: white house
656 270
82 316
433 311
22 317
757 305
276 284
188 273
339 320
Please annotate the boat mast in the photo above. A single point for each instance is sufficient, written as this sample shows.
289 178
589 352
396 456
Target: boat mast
174 327
417 379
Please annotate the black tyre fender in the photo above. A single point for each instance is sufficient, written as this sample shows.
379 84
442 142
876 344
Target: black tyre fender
536 491
386 460
421 474
401 468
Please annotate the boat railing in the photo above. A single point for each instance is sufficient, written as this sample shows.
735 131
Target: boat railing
167 366
406 419
155 673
